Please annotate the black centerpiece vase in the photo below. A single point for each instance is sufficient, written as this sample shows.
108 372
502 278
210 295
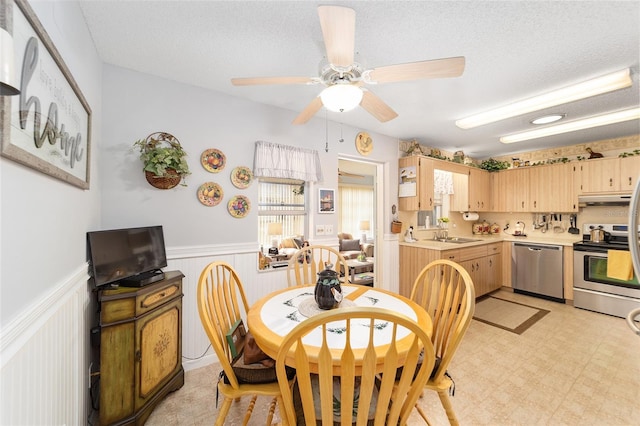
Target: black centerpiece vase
328 292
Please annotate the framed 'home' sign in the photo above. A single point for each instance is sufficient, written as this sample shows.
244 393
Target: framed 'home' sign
48 125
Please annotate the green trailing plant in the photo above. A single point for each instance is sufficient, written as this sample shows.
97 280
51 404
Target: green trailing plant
162 157
493 165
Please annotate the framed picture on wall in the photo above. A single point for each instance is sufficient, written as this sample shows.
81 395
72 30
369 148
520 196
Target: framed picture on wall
327 201
47 126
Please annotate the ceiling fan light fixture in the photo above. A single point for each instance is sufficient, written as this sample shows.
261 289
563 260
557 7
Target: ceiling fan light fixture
572 126
341 97
548 119
597 86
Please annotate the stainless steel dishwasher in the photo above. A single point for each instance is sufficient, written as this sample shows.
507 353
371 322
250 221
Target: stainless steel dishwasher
537 269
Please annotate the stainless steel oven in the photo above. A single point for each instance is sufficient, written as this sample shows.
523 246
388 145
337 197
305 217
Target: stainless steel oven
593 286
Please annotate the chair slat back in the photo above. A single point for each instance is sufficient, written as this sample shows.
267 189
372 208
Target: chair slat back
305 264
366 375
221 302
446 291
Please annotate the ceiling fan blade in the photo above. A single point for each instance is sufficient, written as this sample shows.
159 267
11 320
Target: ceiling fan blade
436 68
251 81
376 107
310 110
339 32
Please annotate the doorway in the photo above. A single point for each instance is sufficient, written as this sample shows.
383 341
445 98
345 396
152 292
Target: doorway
359 201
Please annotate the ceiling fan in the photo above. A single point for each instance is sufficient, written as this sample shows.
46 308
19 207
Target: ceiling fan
344 75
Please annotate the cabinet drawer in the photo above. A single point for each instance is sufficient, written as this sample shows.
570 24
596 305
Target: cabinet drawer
453 255
472 252
494 248
149 301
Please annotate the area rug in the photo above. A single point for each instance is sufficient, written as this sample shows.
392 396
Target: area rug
507 315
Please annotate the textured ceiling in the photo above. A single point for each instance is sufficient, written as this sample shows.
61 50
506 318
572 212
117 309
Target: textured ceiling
513 50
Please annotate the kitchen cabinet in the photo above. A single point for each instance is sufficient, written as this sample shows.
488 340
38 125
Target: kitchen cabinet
511 190
482 262
415 172
605 175
413 259
479 190
551 189
629 173
140 348
542 189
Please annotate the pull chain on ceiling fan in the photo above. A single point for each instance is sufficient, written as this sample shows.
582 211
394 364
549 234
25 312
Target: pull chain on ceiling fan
344 78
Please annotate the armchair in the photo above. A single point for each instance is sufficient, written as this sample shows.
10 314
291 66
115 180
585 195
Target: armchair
350 248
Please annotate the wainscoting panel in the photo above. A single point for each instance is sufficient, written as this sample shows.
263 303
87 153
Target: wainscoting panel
44 377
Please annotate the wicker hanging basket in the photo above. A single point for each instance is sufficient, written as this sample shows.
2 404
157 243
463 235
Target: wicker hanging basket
163 182
171 178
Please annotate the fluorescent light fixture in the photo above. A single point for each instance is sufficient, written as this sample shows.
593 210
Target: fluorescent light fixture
586 89
548 119
572 126
341 97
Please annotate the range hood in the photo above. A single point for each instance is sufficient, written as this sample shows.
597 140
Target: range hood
604 200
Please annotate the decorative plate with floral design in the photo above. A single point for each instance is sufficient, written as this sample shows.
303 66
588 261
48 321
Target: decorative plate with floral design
210 194
213 160
239 206
241 177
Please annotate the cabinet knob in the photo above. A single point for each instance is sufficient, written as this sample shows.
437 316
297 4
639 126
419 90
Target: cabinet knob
610 181
490 263
630 181
523 204
535 204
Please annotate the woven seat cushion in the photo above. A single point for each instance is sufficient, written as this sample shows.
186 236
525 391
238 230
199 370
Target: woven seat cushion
297 402
256 373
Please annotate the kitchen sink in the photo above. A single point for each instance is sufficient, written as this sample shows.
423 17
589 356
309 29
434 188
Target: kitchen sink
458 240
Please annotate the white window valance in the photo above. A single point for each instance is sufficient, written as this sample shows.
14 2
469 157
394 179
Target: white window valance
288 162
442 182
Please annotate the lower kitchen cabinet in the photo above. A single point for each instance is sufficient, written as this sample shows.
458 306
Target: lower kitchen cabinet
140 349
482 262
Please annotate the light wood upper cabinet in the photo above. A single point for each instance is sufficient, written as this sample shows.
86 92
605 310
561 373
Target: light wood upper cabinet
600 175
479 190
607 175
629 173
551 188
419 171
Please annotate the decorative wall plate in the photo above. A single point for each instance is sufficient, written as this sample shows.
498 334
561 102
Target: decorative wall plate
213 160
364 143
239 206
210 194
241 177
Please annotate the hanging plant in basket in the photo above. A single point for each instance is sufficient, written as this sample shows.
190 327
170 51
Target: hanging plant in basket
165 163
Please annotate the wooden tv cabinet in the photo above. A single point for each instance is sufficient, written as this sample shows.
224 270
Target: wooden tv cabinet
140 349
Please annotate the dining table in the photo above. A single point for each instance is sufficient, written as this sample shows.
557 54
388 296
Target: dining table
272 317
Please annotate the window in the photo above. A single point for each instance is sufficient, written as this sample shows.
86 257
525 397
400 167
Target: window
356 204
280 201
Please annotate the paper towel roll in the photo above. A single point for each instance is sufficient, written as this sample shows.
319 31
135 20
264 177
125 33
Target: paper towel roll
470 216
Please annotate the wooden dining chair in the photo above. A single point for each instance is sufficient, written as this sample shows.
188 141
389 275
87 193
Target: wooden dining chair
445 290
305 264
221 303
344 382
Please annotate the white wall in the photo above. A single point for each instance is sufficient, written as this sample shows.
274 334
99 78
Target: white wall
45 302
136 105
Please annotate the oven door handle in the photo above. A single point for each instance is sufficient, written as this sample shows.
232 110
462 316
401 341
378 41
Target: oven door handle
631 320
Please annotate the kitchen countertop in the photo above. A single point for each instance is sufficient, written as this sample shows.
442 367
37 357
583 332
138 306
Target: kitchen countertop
564 239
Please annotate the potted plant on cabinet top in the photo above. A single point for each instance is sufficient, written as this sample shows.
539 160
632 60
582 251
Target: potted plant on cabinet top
165 163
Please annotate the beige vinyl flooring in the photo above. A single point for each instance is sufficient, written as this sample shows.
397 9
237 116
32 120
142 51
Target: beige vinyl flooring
572 367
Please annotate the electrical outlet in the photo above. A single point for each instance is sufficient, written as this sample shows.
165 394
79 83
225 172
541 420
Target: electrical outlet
328 229
319 229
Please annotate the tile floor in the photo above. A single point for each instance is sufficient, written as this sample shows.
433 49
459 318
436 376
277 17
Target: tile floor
571 367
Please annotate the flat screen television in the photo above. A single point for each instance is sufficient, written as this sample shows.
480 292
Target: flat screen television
130 257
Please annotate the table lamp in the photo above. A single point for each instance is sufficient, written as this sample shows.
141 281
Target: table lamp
274 229
364 227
